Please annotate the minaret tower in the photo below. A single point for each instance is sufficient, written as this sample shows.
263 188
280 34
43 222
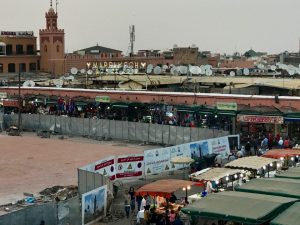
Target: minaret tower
52 45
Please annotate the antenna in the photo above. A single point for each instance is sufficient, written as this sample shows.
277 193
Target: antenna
56 3
132 39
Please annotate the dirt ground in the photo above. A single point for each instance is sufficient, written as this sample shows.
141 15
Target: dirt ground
31 164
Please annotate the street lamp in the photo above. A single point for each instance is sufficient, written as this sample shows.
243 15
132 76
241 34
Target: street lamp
186 192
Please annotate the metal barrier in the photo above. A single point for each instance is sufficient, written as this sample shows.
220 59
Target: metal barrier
122 130
54 213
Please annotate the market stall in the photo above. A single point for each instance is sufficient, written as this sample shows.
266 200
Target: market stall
219 176
163 190
258 165
273 186
246 208
290 216
288 157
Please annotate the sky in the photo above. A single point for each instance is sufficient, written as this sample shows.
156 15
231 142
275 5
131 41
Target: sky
223 26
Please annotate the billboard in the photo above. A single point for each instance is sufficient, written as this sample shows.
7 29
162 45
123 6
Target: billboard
179 150
94 205
129 166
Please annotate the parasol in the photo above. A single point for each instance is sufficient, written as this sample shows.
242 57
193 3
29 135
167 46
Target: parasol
182 160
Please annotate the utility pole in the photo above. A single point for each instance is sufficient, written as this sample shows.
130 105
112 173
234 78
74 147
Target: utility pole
19 101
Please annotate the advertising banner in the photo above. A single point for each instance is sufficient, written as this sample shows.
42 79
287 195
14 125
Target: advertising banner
94 205
220 146
129 166
199 149
106 167
157 161
260 119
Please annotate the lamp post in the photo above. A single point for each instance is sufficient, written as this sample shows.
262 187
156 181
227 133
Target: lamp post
186 192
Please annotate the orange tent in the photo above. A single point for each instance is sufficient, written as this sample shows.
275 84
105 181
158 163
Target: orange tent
278 153
163 188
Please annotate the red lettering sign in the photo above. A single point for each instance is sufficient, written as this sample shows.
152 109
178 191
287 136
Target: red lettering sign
131 159
104 164
260 119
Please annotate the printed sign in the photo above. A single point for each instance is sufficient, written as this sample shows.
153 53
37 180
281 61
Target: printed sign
3 95
94 205
199 149
227 106
105 99
220 146
260 119
129 166
17 33
106 167
157 161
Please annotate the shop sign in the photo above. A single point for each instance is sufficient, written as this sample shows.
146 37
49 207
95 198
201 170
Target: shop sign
260 119
3 95
129 166
227 106
11 103
17 33
105 99
117 64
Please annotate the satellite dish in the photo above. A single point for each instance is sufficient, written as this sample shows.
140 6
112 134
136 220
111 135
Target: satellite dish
232 73
71 78
291 72
90 72
208 72
58 83
283 66
183 69
239 72
157 70
82 71
273 67
110 71
135 71
246 71
165 67
202 67
193 70
74 71
199 70
172 65
28 83
174 71
149 68
129 70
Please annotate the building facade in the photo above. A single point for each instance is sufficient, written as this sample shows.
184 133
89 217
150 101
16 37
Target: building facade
18 52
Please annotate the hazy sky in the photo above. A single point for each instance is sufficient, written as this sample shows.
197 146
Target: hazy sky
216 25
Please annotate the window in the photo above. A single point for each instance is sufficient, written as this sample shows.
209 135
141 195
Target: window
57 48
30 50
32 67
22 67
1 68
11 68
45 48
9 50
2 50
19 50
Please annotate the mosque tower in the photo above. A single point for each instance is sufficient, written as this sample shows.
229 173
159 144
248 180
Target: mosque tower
52 45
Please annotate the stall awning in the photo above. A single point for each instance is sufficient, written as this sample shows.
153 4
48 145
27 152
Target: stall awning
163 188
292 173
290 216
273 186
292 117
278 153
120 105
250 163
247 208
214 174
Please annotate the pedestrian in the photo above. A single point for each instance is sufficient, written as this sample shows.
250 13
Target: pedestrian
280 143
127 203
247 148
146 215
286 143
139 200
177 220
148 201
172 216
255 145
132 198
152 216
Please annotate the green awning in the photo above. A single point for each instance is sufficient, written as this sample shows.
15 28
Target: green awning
247 208
290 216
292 173
229 113
81 103
273 186
120 105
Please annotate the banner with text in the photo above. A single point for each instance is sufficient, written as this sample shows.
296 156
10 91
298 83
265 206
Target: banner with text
157 161
106 167
129 166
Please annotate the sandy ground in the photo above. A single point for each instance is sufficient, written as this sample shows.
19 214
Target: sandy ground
31 164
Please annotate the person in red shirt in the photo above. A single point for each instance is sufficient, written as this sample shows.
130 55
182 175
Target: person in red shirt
286 143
